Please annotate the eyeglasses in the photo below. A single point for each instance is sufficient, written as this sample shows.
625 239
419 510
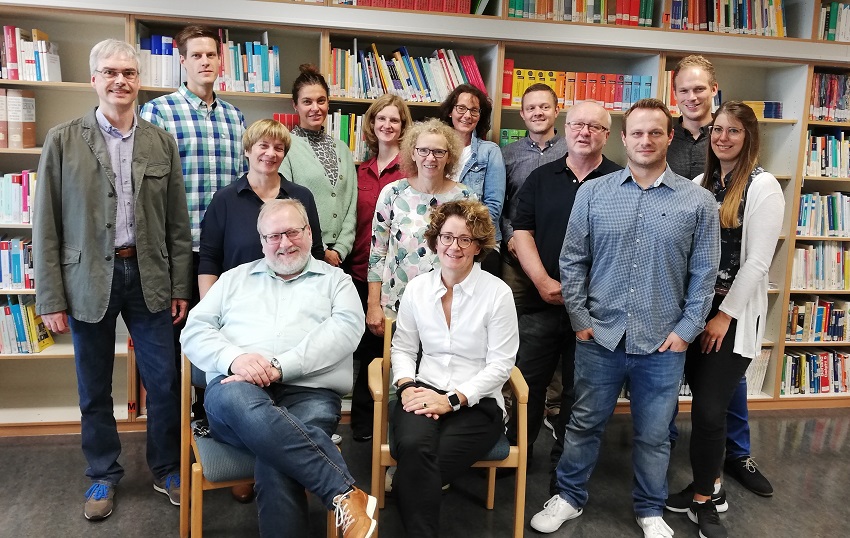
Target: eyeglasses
293 235
732 132
463 241
594 128
437 153
111 74
463 109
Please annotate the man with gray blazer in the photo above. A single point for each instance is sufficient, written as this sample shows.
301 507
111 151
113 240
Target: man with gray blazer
111 236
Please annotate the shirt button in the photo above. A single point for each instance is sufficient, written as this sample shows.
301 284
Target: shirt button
108 225
632 290
634 265
637 240
629 314
110 195
640 215
333 195
108 258
334 236
334 215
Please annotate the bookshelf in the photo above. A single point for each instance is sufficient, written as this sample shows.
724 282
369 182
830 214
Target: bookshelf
749 67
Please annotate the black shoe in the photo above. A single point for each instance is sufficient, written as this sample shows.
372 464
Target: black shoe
680 502
363 438
745 471
705 515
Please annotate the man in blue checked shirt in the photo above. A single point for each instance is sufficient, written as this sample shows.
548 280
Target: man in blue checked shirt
637 268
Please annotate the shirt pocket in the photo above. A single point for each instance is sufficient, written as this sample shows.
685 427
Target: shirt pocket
70 255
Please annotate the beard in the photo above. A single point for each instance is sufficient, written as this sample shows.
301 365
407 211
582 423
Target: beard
293 264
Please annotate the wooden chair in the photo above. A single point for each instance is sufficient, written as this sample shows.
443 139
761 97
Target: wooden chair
208 464
502 455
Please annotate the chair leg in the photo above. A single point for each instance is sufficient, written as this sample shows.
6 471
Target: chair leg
185 505
196 501
519 502
491 487
378 486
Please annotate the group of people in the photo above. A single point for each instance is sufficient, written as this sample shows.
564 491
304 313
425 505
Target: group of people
271 261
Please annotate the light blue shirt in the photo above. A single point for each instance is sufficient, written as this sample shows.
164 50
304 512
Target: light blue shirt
120 148
311 324
484 174
640 263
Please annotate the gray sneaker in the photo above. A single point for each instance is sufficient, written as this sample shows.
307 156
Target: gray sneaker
99 501
170 485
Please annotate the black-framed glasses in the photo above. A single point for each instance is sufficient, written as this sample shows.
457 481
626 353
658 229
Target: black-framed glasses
293 235
111 74
594 128
437 153
463 109
463 241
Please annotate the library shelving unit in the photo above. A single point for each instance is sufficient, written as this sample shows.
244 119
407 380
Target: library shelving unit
749 67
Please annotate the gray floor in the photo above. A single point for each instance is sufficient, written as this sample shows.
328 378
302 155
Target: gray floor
806 454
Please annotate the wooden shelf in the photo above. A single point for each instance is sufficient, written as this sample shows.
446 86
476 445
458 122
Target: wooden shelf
823 395
64 86
822 123
15 226
341 100
229 95
821 292
816 344
824 178
24 151
10 291
62 349
820 238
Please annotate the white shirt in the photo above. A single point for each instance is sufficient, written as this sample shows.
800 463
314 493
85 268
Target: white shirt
475 356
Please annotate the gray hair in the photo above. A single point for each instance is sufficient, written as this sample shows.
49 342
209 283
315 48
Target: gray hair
276 205
109 48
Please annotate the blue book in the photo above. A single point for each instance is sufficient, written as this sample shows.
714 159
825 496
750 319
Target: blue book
627 91
250 80
20 328
276 69
16 262
635 88
646 86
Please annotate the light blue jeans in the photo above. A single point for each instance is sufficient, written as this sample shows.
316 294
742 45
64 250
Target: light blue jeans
654 386
288 428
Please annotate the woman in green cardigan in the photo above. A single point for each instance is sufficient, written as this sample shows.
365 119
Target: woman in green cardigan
322 164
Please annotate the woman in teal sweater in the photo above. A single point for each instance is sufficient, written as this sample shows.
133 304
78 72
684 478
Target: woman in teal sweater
322 164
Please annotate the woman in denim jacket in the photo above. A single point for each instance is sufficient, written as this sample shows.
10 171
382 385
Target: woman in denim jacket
467 109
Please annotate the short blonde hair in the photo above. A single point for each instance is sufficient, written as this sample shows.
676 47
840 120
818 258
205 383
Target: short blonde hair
432 126
266 129
475 215
279 204
696 60
381 103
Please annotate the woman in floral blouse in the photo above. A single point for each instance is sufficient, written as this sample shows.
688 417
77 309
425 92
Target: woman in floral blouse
430 153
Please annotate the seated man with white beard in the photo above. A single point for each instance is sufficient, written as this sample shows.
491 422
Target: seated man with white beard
276 337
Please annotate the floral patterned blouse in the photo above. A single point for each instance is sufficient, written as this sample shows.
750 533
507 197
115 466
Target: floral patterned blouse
399 251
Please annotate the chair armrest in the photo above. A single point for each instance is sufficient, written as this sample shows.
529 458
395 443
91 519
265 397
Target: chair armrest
376 379
518 386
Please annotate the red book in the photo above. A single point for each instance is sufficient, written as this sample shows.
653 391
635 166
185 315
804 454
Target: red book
592 87
449 6
11 52
610 90
420 5
581 87
507 82
634 12
618 93
464 6
405 4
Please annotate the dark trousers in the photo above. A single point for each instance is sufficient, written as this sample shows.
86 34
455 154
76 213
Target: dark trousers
492 263
431 453
545 337
370 346
713 379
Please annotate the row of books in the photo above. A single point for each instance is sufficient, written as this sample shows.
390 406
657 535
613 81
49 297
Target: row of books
289 120
834 22
814 371
823 265
766 109
818 319
16 194
437 6
508 136
21 329
824 215
16 265
17 118
611 90
756 372
365 74
615 12
29 55
830 97
753 17
349 129
827 155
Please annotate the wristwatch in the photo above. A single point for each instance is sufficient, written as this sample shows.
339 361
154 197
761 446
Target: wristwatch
277 367
454 401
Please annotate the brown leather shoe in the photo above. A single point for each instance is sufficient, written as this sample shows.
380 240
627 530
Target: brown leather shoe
354 511
243 493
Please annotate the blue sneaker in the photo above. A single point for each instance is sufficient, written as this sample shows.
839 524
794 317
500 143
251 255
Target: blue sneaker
99 501
170 485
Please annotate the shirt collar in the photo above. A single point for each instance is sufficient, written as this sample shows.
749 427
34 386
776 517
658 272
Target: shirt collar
703 131
242 185
314 266
467 285
195 101
549 143
109 129
392 165
668 178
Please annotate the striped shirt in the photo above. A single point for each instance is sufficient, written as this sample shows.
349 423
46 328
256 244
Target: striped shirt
209 139
640 263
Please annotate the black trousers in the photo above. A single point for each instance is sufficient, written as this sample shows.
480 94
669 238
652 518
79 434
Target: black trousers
431 453
370 346
713 378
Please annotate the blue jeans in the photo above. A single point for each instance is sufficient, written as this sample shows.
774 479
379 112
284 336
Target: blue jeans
654 385
94 352
288 428
738 424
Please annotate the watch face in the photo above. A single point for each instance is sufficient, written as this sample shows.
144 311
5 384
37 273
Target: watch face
454 400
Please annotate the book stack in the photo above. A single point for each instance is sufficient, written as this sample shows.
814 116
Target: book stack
349 129
363 74
830 97
16 194
752 17
821 266
834 22
435 6
17 118
814 371
611 90
817 319
766 110
508 136
16 265
615 12
21 329
29 55
825 215
828 155
756 371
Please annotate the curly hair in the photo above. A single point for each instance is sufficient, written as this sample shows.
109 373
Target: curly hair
476 216
484 104
432 126
378 105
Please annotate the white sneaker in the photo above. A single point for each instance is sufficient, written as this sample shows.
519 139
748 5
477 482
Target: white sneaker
554 513
336 438
654 527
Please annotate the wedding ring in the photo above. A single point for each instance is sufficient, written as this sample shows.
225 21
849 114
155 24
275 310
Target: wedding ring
424 405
